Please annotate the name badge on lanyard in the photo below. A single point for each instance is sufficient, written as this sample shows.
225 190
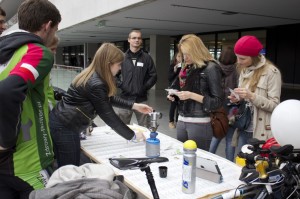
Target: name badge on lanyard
140 64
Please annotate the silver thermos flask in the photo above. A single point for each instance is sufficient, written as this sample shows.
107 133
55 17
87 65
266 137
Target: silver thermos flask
189 167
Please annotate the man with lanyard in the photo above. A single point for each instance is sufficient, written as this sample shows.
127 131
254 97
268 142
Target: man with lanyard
26 153
138 75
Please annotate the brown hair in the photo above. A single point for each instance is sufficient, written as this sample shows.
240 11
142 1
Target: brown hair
193 45
227 56
2 12
32 14
105 56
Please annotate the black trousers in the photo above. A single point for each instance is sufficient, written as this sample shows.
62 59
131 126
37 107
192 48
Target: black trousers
173 112
12 187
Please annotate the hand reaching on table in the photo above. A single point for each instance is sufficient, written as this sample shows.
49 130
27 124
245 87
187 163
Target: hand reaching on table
140 136
143 108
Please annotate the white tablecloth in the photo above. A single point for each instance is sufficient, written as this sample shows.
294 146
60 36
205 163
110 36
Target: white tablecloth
104 143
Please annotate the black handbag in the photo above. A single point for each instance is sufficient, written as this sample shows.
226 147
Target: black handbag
244 116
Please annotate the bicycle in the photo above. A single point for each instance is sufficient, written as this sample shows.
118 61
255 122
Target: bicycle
268 173
143 165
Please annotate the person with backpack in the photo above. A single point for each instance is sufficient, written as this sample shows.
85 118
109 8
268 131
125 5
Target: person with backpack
26 154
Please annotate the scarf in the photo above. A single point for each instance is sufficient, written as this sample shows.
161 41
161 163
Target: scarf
183 74
249 71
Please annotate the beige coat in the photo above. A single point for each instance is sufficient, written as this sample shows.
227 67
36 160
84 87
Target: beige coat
267 97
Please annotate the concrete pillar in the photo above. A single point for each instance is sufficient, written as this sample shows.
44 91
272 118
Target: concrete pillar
90 49
160 53
58 58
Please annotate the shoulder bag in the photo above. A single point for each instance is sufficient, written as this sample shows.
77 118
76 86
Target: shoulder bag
244 116
219 122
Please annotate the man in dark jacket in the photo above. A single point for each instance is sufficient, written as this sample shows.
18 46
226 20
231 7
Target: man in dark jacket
26 154
138 75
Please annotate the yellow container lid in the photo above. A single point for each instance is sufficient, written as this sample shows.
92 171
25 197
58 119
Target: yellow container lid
190 144
240 161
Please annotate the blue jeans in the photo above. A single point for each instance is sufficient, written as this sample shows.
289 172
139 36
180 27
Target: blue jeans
66 143
229 150
243 139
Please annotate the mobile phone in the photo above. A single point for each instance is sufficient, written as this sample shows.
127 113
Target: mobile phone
234 93
171 91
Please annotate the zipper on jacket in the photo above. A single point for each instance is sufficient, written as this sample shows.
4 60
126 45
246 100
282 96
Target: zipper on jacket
90 128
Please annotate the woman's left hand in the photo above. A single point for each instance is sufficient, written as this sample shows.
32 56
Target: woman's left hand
184 95
244 93
143 108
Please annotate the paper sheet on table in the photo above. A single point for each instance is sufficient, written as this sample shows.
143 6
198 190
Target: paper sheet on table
105 143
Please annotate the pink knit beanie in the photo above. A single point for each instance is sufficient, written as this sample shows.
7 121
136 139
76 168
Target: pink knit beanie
248 46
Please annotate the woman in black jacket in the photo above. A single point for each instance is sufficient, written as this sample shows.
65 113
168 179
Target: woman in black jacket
90 94
201 92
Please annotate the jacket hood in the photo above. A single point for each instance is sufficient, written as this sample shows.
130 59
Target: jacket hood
228 69
11 42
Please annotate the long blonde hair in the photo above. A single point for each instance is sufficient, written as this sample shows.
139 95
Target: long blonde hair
105 56
193 45
253 81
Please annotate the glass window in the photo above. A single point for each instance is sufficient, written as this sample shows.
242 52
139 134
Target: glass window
73 55
209 42
120 45
146 45
226 39
173 47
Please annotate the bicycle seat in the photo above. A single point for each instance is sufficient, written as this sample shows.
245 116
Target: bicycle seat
282 150
255 142
135 163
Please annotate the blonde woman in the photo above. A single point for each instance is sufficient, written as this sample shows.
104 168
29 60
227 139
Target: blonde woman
260 84
90 94
201 92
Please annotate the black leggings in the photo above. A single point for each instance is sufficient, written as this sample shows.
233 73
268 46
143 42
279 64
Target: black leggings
173 112
12 187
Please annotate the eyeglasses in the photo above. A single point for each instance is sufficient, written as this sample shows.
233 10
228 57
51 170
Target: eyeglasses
134 38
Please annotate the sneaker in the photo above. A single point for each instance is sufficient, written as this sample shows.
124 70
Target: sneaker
172 125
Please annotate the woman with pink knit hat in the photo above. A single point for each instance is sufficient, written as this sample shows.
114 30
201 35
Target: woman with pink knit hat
260 84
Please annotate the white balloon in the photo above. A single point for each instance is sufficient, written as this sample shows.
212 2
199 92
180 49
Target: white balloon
285 123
